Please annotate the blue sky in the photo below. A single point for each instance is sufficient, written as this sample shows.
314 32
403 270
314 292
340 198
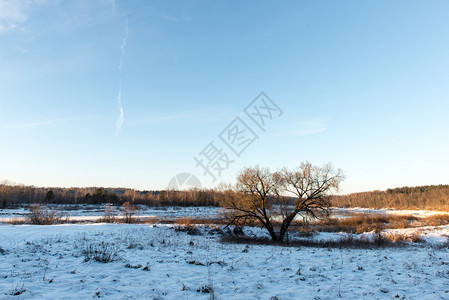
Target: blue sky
361 84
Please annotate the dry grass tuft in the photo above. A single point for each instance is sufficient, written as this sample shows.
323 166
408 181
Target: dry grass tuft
102 252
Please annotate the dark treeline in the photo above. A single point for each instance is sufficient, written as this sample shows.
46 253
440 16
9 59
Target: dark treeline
420 197
14 195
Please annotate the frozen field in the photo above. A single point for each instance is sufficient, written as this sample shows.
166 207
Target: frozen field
159 262
95 212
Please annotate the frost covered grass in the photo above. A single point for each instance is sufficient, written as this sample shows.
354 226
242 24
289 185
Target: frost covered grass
162 262
105 213
375 240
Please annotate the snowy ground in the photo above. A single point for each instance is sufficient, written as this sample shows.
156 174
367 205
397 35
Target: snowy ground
95 212
158 262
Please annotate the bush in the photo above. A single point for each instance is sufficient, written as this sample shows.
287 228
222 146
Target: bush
128 212
183 224
360 223
403 238
39 216
109 215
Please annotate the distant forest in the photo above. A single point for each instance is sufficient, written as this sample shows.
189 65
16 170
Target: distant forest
420 197
14 195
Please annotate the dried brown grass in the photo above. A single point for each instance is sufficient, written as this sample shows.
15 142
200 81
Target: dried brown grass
370 222
40 216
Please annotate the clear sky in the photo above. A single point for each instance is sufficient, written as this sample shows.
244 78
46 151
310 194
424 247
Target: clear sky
127 93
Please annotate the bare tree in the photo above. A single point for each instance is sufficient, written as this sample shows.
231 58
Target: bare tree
252 198
312 187
128 211
277 198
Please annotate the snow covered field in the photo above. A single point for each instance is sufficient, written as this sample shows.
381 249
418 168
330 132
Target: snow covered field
159 262
95 212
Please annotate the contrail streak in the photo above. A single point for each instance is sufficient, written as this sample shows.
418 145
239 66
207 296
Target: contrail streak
121 117
123 46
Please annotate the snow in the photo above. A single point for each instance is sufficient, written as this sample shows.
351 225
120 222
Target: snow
435 235
95 212
159 262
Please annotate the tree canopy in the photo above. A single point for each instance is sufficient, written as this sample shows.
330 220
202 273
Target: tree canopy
275 198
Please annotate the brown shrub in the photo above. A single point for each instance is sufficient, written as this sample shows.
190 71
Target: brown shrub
365 223
129 211
403 238
39 216
109 215
435 220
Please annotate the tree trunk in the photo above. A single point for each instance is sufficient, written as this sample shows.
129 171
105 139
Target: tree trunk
274 236
272 232
285 224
